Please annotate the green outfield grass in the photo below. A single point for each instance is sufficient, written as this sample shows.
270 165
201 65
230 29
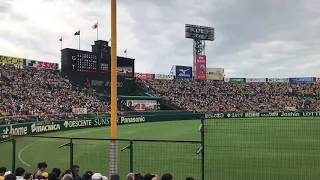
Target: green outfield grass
236 149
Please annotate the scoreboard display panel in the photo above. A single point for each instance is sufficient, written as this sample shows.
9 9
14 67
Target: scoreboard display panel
96 64
81 61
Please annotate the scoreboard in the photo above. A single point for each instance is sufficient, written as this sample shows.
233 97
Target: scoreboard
83 62
96 62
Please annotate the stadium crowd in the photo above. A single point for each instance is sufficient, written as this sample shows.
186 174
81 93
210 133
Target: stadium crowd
73 174
41 94
38 92
234 97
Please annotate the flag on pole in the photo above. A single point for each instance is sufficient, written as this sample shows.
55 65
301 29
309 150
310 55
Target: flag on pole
77 33
95 26
125 51
60 39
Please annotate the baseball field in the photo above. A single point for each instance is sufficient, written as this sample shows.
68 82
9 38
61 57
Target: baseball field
235 149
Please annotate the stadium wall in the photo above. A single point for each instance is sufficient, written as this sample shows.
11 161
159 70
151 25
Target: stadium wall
33 128
221 115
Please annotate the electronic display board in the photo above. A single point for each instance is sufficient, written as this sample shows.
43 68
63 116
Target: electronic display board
95 66
82 61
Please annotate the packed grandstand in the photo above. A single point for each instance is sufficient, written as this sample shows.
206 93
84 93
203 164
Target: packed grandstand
43 93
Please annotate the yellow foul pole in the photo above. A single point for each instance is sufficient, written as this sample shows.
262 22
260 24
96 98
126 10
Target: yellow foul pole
113 143
113 69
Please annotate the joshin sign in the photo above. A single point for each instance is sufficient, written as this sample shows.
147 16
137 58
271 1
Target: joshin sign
201 66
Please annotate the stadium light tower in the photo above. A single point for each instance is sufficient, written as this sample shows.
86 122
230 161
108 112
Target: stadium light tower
199 34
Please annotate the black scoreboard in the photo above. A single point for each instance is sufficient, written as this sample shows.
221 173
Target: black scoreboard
83 62
96 62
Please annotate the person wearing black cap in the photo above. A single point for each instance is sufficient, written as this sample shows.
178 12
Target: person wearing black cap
166 177
27 176
87 175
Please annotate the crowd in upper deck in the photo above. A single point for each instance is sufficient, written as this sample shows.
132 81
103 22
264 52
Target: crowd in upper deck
228 96
39 92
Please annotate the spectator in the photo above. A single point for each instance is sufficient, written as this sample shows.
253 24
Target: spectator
87 175
3 171
138 177
98 176
57 171
20 173
52 176
27 176
115 177
41 168
166 177
67 177
65 173
75 172
10 177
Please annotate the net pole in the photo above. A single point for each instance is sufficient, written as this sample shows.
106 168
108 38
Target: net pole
113 144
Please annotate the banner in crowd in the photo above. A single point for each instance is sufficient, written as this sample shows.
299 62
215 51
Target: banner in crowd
80 110
142 105
303 79
163 76
216 109
234 80
215 73
144 75
183 72
318 79
11 60
201 67
290 108
42 65
256 80
274 80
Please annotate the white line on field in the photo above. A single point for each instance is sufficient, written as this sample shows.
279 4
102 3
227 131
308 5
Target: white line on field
24 148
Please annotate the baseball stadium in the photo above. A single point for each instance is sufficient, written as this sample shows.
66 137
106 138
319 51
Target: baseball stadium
93 117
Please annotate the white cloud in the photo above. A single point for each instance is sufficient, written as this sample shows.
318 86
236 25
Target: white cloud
261 38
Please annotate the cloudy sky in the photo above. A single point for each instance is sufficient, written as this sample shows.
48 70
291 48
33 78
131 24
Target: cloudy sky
274 38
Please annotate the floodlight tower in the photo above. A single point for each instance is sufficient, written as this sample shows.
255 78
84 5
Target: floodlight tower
199 34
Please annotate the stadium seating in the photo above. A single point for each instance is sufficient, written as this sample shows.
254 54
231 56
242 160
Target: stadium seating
234 97
31 91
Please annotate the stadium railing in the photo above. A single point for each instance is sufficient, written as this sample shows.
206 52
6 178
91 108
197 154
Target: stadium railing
180 158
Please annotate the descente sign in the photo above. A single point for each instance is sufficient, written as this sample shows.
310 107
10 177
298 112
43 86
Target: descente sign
52 126
219 115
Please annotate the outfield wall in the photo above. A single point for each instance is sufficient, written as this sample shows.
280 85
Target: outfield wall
221 115
32 128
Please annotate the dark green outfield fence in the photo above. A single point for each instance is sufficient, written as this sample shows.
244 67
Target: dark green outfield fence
181 158
233 146
262 146
33 128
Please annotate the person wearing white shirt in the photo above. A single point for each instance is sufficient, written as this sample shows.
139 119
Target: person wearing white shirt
20 173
